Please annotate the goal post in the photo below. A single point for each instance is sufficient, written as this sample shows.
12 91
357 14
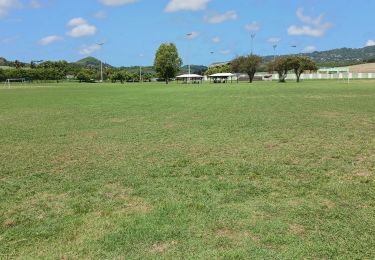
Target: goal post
22 81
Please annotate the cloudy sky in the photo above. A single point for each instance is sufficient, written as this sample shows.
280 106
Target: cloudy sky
217 30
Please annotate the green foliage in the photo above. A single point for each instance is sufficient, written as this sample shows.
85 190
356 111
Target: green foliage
86 75
219 69
247 64
167 61
281 66
300 64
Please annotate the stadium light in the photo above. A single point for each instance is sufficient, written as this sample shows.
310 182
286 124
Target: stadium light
274 51
140 69
252 42
101 63
187 36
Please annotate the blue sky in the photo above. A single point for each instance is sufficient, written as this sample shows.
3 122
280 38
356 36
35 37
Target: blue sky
133 29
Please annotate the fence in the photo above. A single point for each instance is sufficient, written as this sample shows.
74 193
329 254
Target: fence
336 76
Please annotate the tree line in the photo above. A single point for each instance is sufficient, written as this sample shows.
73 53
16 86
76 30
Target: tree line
168 63
61 70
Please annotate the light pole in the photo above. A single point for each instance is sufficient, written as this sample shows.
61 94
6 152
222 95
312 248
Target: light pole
252 42
274 57
140 70
187 36
274 51
101 63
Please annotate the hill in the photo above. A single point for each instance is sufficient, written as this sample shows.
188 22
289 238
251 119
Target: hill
340 57
91 62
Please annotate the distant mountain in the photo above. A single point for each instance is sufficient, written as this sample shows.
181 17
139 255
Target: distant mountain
340 57
91 62
195 69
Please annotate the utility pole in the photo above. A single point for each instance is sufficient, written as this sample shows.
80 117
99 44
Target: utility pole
101 63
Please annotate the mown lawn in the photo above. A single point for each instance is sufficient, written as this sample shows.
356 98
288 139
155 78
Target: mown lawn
237 171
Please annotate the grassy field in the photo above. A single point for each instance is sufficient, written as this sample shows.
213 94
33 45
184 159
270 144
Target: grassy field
234 171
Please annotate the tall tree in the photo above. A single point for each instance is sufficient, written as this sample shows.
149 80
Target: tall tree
167 61
247 64
300 64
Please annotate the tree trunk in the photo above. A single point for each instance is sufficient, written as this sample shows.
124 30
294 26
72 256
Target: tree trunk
166 81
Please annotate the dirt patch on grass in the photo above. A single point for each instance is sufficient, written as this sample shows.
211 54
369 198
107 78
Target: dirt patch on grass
125 200
86 156
38 207
330 114
297 229
118 120
363 173
235 235
162 247
9 223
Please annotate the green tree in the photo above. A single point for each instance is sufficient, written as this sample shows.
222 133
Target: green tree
219 69
86 75
281 65
300 64
167 61
247 64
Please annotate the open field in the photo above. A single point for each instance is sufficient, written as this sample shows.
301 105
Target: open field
234 171
363 68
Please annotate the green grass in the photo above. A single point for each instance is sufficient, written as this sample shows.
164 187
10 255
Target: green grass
259 171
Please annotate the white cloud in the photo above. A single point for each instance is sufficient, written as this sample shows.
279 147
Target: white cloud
101 14
216 39
309 49
226 52
216 18
76 22
117 2
192 35
88 49
252 27
50 39
186 5
314 27
7 5
370 43
274 40
80 28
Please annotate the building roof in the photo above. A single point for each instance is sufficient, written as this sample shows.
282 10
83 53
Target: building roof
190 76
219 75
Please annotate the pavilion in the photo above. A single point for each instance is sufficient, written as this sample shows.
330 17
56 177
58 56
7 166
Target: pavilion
194 78
222 77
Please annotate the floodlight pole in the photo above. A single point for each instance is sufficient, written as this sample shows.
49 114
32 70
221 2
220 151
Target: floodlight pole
101 64
274 56
140 69
252 42
187 36
274 51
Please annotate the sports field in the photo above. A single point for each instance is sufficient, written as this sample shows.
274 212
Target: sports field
262 171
